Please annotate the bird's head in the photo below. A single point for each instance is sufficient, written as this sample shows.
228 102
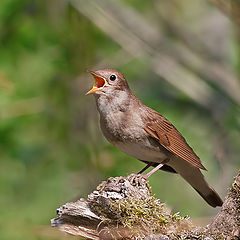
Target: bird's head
107 81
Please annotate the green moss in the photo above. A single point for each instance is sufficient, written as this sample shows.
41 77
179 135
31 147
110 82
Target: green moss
148 212
148 216
135 211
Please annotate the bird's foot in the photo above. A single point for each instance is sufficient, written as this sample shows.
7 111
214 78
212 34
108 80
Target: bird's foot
134 179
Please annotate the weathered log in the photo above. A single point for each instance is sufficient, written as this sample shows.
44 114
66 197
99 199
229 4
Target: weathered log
124 208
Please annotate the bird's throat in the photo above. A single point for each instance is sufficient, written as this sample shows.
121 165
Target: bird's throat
114 103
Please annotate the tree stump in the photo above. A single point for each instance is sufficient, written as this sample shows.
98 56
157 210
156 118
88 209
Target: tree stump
124 208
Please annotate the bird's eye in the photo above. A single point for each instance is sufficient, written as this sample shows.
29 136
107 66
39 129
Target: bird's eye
113 77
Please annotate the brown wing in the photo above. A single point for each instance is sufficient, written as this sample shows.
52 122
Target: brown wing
169 137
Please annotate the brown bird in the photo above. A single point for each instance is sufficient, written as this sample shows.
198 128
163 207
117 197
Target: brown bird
143 133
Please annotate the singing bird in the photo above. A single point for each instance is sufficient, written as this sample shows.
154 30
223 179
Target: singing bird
146 135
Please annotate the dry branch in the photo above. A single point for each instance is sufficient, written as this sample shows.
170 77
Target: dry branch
230 8
173 62
124 208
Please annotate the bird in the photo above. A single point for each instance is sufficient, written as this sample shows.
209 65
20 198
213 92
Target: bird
146 135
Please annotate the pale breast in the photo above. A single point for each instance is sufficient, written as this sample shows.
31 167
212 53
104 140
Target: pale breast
133 140
141 152
122 127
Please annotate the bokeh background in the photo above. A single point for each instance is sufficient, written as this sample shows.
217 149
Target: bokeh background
181 58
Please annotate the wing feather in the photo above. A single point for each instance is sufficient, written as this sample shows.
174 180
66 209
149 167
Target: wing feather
171 139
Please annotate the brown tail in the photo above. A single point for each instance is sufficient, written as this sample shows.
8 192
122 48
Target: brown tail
196 179
212 198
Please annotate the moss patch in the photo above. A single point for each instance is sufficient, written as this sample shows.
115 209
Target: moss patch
129 203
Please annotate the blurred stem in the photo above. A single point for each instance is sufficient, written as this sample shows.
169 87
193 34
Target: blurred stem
230 8
238 53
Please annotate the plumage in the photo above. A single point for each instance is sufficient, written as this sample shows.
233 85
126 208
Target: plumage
143 133
169 137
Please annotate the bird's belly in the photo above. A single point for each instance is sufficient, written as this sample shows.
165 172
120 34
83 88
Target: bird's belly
141 152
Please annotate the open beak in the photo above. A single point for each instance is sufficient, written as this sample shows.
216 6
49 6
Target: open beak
100 82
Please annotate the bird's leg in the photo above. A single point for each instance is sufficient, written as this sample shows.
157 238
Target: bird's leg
145 168
155 169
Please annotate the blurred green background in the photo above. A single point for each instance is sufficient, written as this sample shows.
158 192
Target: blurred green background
181 58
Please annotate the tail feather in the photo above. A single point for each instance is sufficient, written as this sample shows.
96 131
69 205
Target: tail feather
213 199
196 179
